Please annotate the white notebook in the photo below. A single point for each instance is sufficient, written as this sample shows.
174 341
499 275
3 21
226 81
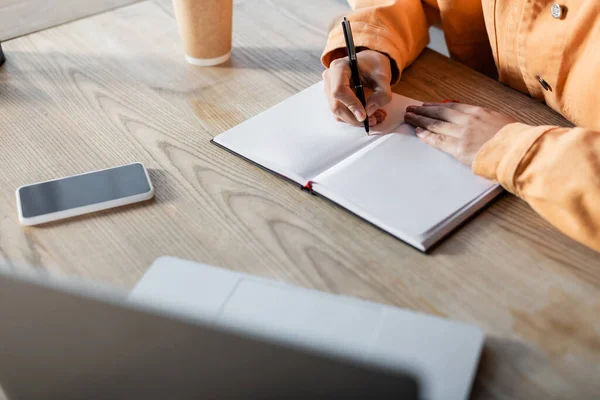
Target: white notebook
390 178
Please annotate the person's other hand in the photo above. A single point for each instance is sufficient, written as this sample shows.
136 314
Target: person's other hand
376 75
457 129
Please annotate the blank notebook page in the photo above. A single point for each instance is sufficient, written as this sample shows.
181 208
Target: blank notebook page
300 138
401 184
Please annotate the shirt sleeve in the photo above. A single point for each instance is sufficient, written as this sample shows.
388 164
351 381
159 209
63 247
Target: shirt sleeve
396 28
556 170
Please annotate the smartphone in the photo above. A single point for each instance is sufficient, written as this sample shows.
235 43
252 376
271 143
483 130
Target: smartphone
2 58
61 198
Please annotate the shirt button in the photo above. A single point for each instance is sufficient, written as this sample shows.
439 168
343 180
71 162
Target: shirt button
543 82
556 10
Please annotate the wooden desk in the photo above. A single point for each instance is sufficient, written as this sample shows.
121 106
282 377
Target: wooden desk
22 17
114 88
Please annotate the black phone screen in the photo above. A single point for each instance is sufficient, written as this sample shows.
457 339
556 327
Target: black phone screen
83 190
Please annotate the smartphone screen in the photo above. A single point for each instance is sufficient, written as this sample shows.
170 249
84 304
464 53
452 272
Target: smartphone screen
83 190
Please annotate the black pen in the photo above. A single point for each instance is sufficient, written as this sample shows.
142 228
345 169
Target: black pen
358 87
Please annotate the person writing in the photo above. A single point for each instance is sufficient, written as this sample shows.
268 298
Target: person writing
545 50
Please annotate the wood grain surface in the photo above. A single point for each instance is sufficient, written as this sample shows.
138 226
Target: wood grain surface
21 17
114 88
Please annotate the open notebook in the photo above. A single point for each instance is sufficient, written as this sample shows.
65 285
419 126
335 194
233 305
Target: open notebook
391 178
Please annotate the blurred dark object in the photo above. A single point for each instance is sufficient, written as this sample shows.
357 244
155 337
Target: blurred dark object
2 58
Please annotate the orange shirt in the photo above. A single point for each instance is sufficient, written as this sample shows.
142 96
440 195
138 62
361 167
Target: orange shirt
549 52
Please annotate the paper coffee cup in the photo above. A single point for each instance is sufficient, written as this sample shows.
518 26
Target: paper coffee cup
205 29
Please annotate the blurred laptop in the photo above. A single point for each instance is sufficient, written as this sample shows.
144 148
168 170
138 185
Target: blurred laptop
193 331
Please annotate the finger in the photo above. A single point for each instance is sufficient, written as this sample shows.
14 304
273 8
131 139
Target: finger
433 125
368 92
444 143
464 108
340 91
380 116
440 113
343 114
382 95
382 90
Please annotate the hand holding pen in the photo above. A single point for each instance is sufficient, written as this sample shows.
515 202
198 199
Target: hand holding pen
375 75
356 81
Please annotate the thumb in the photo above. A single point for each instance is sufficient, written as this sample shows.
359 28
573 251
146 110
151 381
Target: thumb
348 98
